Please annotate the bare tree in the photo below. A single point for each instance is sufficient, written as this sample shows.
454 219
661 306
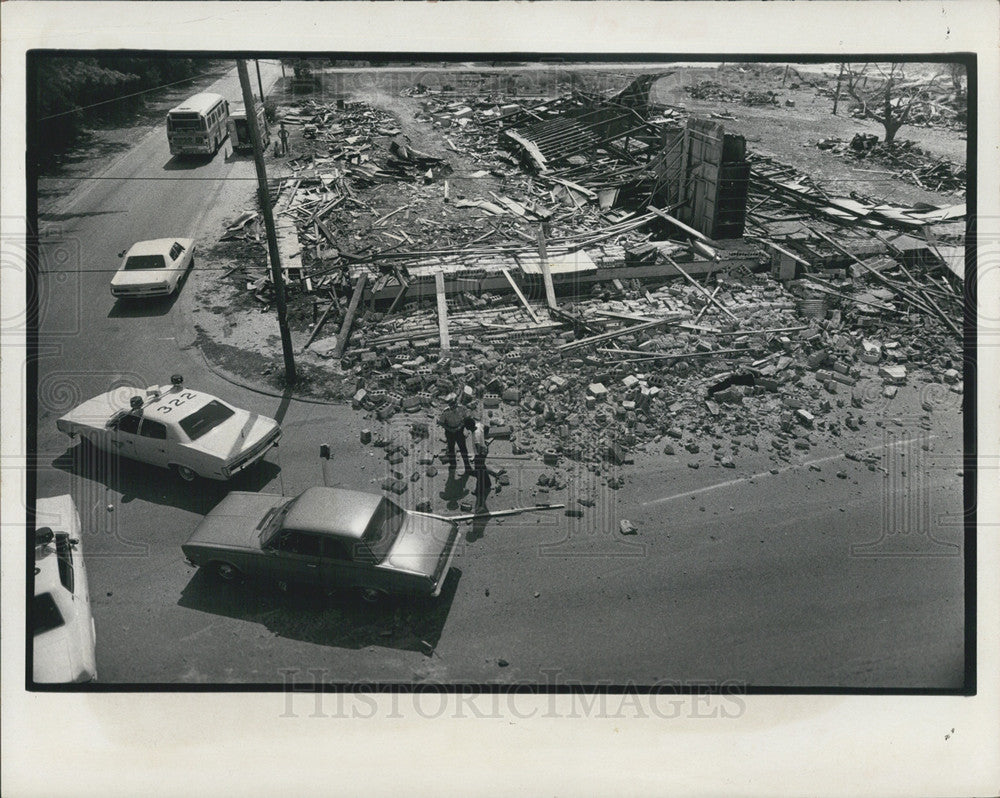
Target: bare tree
883 93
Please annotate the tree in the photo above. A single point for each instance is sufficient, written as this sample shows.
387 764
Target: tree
74 92
883 93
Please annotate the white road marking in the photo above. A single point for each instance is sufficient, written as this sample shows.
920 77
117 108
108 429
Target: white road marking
768 473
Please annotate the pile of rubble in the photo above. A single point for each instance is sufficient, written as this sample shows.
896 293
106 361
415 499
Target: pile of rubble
757 366
713 90
737 363
905 159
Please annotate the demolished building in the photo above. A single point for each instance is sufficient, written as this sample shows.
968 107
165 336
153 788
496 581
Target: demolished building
632 276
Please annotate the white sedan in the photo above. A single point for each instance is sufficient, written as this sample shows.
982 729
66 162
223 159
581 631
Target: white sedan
153 268
188 431
63 631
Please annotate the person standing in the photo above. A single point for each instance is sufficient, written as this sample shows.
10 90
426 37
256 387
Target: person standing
453 420
283 135
484 485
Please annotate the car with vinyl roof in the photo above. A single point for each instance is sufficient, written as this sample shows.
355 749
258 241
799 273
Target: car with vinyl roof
327 538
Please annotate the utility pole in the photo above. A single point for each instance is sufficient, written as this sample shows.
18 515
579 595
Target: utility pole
260 84
265 206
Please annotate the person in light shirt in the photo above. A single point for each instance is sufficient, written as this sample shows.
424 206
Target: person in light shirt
454 422
479 469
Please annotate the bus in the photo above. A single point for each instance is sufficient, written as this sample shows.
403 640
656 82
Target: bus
198 125
239 130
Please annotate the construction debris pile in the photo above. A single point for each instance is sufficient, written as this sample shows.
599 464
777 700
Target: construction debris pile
523 257
905 160
780 194
713 90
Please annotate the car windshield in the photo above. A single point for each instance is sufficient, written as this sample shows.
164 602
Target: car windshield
137 262
45 615
271 522
205 419
381 531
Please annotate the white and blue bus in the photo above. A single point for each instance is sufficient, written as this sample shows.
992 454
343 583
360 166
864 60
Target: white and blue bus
198 125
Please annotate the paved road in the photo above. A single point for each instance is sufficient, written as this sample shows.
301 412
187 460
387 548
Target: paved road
735 576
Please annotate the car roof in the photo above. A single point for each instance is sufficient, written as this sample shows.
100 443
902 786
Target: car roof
103 407
189 406
332 511
156 246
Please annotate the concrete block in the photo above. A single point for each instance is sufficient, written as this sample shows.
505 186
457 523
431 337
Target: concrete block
597 390
893 374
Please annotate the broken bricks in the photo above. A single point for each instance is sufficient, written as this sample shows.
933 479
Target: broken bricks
893 374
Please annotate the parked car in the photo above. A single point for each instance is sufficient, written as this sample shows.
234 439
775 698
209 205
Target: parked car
191 432
63 633
326 537
152 268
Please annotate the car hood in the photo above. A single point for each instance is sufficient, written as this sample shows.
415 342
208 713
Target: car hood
423 545
233 522
237 434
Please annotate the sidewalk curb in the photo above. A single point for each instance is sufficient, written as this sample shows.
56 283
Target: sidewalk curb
232 379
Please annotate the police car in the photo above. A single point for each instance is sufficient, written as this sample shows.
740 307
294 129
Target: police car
63 632
188 431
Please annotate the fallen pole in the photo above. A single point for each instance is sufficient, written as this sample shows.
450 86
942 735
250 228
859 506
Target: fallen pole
887 283
678 223
322 320
517 291
643 355
352 309
710 297
470 516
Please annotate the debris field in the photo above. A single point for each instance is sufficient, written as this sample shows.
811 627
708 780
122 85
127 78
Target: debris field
593 283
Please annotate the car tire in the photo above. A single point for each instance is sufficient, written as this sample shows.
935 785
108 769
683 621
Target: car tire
228 572
371 595
185 473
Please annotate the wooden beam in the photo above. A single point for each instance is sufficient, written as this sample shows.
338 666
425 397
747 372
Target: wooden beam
678 223
322 320
710 297
642 355
624 331
550 291
442 308
398 298
352 309
529 147
527 307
